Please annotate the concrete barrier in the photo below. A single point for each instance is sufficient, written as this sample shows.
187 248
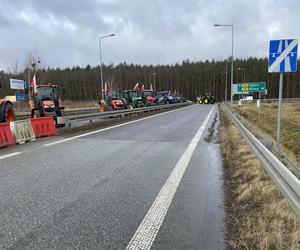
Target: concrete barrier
22 131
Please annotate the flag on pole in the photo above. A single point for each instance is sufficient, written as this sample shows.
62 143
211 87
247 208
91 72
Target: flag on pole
136 87
143 87
34 86
105 89
151 87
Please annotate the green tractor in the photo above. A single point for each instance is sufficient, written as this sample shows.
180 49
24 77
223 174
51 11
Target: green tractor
132 99
207 98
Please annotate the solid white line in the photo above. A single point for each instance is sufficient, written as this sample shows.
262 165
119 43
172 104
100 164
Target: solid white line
148 229
115 126
9 155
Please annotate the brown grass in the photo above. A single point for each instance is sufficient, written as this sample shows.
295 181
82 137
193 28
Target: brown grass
265 121
258 216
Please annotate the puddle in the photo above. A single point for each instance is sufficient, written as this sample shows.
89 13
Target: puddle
213 132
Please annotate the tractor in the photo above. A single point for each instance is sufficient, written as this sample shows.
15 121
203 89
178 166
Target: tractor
6 110
47 103
132 99
148 97
111 101
207 98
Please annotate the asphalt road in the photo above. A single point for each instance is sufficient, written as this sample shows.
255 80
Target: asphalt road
94 191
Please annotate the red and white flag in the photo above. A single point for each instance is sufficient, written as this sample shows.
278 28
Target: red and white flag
151 87
143 87
105 89
34 86
136 87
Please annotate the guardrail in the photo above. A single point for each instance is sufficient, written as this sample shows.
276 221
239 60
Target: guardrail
286 181
71 119
67 112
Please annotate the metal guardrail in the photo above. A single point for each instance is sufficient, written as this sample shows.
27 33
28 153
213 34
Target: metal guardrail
286 181
67 112
71 119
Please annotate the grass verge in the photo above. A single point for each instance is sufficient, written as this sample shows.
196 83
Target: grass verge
265 120
258 216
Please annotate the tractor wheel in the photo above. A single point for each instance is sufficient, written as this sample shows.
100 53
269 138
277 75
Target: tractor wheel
206 101
102 108
6 112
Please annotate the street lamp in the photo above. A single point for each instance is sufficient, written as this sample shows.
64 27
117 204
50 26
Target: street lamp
244 73
229 25
100 54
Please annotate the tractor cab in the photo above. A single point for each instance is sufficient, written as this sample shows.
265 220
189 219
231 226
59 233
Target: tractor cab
47 102
111 101
148 97
132 99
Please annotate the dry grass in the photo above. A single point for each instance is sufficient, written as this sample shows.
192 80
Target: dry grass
258 216
266 122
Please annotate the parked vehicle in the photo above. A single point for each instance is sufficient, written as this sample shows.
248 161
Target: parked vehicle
47 102
179 98
248 98
148 97
111 101
132 99
164 97
207 98
6 110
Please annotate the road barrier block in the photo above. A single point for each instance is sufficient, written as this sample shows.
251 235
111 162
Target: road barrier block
22 131
43 127
6 136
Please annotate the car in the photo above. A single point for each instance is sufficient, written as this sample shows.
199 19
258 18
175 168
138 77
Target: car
248 98
164 97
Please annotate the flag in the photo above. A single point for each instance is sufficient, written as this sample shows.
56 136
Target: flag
143 87
136 87
105 89
33 85
151 87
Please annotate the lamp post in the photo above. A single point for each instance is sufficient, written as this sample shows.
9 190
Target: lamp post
231 81
226 82
100 55
244 73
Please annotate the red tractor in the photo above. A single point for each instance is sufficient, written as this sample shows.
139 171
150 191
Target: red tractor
6 111
148 97
47 103
111 101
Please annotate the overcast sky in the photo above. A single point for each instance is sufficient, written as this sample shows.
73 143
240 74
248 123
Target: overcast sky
65 32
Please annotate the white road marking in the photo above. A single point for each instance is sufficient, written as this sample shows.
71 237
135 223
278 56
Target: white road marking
115 126
148 229
9 155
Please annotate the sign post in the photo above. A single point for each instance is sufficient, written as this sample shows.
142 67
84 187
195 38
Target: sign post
282 58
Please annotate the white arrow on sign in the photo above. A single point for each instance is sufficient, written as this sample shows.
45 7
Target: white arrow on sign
283 55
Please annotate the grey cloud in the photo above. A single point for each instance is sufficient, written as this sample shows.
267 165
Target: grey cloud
66 32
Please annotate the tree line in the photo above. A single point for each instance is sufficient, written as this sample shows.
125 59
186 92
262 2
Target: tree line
188 78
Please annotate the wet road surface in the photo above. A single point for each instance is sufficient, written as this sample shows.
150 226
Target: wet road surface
94 191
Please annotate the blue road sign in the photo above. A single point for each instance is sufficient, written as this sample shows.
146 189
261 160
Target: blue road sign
20 97
283 55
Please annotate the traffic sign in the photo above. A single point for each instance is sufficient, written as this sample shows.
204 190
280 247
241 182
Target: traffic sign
251 87
283 55
20 97
16 84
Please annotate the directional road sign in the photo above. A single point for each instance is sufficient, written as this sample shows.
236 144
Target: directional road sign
283 55
251 87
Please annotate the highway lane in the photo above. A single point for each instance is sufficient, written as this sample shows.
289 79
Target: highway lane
93 192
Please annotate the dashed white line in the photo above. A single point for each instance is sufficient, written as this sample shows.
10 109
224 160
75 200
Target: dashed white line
115 126
9 155
148 229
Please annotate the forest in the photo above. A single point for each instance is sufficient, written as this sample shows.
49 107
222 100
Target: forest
188 78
